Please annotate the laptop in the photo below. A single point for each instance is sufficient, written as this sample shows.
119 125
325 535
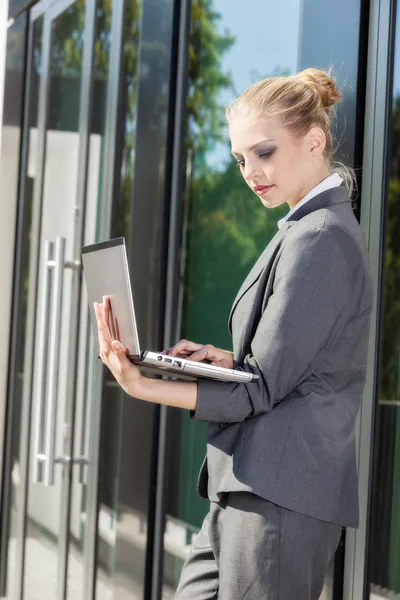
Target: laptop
106 273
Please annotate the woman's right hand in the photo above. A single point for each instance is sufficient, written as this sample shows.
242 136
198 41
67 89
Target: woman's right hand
201 352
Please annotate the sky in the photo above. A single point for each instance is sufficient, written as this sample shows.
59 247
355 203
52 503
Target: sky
267 37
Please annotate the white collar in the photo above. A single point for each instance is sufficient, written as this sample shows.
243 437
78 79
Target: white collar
328 183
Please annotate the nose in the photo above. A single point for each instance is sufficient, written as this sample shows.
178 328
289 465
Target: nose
249 172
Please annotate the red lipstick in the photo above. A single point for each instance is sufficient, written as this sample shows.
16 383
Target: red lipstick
260 190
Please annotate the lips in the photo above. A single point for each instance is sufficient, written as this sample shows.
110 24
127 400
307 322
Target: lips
260 190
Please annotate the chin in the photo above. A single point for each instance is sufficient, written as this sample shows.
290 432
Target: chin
266 203
271 204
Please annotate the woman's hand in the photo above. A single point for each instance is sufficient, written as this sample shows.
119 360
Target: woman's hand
112 353
199 353
182 394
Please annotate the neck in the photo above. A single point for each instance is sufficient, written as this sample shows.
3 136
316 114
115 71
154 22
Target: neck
320 176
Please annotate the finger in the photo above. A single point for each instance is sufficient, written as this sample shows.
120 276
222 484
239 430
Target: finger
120 352
179 353
204 353
106 310
184 346
109 316
102 329
117 334
112 322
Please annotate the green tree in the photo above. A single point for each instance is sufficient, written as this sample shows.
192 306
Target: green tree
387 495
206 80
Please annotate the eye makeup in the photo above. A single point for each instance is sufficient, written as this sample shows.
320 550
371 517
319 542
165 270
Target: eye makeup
261 153
267 152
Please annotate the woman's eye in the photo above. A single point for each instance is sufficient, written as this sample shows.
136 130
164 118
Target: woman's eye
266 154
240 163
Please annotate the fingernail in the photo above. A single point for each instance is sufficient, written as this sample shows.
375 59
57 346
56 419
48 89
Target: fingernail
117 345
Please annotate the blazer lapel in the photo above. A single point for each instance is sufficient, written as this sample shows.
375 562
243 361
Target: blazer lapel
323 200
259 267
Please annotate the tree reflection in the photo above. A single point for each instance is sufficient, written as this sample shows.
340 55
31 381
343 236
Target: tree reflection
228 227
385 546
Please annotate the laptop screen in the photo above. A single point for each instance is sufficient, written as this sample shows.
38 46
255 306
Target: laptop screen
106 273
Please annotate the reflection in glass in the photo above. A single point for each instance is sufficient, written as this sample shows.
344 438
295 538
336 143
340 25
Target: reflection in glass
57 219
384 551
13 108
227 227
110 519
128 94
85 396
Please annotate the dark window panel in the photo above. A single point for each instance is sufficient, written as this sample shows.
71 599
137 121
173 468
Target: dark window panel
384 543
330 40
9 175
140 214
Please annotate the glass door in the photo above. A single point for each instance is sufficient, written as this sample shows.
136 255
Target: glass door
58 365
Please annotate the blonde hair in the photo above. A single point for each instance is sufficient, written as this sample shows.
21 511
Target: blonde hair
299 102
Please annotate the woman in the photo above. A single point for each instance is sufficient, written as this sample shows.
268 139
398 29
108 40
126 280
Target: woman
280 471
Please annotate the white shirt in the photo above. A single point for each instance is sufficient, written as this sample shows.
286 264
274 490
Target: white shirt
328 183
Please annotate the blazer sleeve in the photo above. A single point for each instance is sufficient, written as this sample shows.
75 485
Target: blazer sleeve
307 310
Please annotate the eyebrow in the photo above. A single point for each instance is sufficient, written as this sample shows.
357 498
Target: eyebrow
255 145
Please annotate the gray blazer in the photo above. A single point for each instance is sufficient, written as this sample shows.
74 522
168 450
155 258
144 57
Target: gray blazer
301 322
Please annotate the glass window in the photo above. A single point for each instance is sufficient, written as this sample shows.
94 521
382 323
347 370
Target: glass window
114 519
384 551
11 139
227 228
129 425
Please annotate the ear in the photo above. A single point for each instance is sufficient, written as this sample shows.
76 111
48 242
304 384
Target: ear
316 141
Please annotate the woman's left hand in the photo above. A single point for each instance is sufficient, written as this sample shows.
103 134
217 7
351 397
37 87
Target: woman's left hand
112 353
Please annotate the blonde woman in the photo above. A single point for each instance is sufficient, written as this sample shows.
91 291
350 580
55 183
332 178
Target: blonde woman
280 471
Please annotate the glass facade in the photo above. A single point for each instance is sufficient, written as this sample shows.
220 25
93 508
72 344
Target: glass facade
129 427
9 175
384 550
60 161
112 517
227 228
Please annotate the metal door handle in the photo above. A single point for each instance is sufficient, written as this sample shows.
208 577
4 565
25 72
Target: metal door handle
86 411
49 357
40 381
54 358
66 460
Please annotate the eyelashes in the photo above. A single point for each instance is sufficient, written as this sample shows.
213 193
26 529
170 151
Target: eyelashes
263 155
267 153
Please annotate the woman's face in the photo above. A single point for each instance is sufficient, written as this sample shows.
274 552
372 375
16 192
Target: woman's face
278 166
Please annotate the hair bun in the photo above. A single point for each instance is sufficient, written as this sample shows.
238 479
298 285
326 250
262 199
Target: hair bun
323 84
